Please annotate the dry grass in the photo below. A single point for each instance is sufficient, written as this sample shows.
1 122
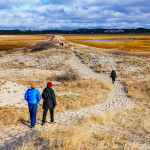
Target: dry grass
94 60
81 93
70 95
130 128
68 138
126 130
13 115
39 65
140 92
141 45
37 59
105 131
137 79
10 42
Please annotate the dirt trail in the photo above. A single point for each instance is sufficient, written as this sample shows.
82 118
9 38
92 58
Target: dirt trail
117 100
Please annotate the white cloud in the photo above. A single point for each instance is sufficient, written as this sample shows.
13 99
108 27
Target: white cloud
19 2
60 2
74 14
40 9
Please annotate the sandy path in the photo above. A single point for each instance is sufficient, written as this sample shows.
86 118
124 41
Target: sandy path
117 100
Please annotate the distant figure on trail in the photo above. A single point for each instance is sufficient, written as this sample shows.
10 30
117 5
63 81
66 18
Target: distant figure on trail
113 75
62 44
49 102
32 96
53 36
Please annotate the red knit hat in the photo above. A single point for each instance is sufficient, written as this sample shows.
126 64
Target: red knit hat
49 84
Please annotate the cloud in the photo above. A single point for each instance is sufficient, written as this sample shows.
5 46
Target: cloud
60 14
9 3
60 2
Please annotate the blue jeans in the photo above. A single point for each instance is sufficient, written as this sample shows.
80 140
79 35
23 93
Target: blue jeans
33 111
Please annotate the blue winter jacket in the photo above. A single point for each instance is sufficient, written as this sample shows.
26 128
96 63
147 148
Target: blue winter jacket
32 96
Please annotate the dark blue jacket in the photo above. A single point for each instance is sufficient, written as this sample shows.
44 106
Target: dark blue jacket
32 96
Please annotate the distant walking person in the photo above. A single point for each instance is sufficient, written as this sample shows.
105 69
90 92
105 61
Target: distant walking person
32 96
113 75
62 44
49 102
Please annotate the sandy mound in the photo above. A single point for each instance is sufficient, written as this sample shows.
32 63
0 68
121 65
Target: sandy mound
12 94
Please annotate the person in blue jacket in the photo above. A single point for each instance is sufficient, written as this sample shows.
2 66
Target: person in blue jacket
32 96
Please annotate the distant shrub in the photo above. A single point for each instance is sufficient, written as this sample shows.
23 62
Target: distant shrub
38 49
41 46
68 76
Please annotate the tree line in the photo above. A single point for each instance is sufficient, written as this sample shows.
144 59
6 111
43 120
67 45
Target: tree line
78 31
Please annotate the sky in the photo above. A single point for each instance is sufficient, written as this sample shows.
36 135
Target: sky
74 14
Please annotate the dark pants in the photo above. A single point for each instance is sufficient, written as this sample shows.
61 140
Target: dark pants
113 80
51 115
33 112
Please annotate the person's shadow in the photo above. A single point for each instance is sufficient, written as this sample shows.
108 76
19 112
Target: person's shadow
27 123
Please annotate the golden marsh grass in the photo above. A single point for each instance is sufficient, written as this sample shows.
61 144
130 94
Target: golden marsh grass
141 43
9 42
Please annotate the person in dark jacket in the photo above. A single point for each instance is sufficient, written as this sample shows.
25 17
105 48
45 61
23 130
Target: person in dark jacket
49 102
113 75
32 96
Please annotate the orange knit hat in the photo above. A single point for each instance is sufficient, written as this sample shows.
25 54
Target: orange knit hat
33 86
